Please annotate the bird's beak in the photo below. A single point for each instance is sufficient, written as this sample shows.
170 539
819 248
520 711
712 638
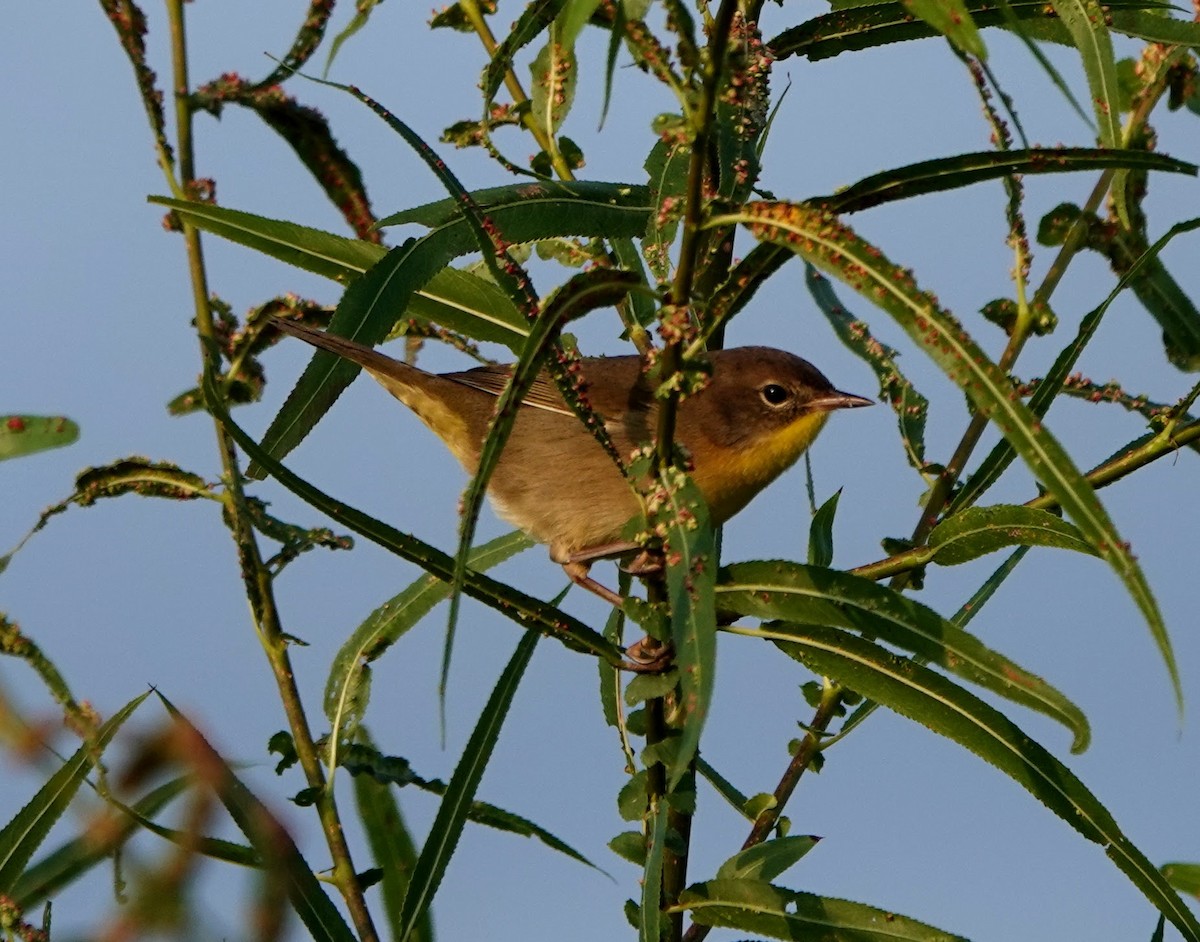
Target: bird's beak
839 400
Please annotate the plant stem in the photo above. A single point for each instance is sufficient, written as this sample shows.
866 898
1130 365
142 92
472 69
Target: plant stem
255 575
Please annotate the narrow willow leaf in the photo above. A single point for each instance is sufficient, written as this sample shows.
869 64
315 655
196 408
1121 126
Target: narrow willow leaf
967 611
820 533
1155 28
753 906
303 247
910 406
27 829
978 531
281 857
821 239
651 925
1021 29
547 197
362 15
667 170
489 815
767 860
751 273
1002 454
345 698
948 173
724 788
212 847
470 305
810 595
525 610
22 435
1085 20
50 875
555 71
369 307
952 19
691 553
536 17
451 817
1185 877
392 848
852 28
934 701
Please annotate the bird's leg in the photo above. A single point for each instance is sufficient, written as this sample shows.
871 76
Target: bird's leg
645 656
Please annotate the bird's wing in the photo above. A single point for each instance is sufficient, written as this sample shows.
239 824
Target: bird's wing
543 394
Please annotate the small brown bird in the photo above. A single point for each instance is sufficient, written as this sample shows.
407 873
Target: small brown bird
760 411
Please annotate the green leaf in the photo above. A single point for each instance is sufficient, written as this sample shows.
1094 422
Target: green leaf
555 71
910 406
691 553
50 875
279 853
651 922
303 247
821 239
936 702
759 907
1185 877
811 595
1155 28
977 531
724 788
22 435
24 833
362 14
392 849
548 199
451 817
820 533
952 19
1001 455
948 173
667 169
767 860
1085 21
865 26
536 17
345 695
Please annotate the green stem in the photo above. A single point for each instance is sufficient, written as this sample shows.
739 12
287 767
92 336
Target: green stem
255 575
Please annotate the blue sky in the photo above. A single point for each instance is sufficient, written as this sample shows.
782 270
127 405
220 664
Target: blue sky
133 592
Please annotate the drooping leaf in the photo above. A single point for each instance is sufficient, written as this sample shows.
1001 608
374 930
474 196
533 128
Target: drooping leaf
534 19
823 240
942 706
850 28
756 906
651 924
1002 454
948 173
362 14
451 817
815 596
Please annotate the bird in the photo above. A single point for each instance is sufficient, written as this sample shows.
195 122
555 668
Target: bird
759 412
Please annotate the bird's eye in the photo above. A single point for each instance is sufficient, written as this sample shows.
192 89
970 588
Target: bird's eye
775 395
